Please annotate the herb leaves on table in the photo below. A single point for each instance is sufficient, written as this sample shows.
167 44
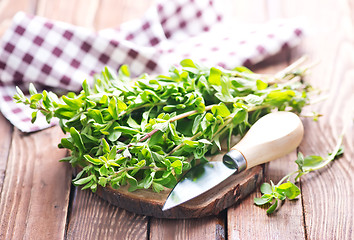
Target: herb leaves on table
272 193
146 133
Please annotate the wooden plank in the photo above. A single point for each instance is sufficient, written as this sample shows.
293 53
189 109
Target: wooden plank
248 221
94 218
328 194
36 188
8 8
80 12
5 143
111 13
90 216
212 227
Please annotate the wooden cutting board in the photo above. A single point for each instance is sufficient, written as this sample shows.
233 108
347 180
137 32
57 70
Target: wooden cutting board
149 203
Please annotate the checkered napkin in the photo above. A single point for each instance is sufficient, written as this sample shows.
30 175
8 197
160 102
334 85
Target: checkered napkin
58 56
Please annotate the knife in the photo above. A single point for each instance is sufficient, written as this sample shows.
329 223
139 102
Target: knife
272 136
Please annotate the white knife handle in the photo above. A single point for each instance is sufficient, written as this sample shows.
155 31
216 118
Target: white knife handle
271 137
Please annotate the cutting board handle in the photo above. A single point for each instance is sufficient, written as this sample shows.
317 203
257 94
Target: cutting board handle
271 137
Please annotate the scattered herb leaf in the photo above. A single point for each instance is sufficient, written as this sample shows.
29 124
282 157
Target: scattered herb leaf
272 193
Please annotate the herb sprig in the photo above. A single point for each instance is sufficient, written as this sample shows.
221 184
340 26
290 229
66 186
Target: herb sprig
272 193
146 133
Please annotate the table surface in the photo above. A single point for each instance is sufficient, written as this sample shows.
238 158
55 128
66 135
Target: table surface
37 200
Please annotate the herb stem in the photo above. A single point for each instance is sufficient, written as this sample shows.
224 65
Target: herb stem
330 157
287 177
141 106
182 144
222 128
187 114
291 67
126 169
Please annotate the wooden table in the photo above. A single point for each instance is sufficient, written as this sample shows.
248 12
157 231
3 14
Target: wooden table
37 200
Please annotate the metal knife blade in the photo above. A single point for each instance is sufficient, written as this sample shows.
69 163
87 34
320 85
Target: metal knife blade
272 136
204 177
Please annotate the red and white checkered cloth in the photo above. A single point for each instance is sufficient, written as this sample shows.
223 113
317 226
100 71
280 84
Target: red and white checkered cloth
58 56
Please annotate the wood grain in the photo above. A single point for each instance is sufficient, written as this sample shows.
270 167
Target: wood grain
212 202
8 8
79 12
94 218
5 144
111 13
324 210
35 193
212 227
328 194
285 223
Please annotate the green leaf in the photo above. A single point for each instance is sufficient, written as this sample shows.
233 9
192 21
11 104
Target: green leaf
240 116
121 105
127 130
92 160
312 162
148 180
220 110
114 135
96 115
105 146
112 108
20 93
214 77
217 142
82 181
278 97
124 73
156 138
77 139
177 166
262 200
132 123
162 126
209 117
103 171
36 97
261 85
290 190
86 88
188 63
66 143
72 103
102 181
191 143
196 123
34 117
253 99
32 89
272 208
133 183
266 188
300 161
112 153
242 69
157 187
126 153
64 113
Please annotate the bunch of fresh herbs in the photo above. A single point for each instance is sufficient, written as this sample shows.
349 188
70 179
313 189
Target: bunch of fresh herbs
148 131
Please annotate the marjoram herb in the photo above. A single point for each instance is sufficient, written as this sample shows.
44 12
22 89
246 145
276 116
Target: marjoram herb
146 133
272 193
